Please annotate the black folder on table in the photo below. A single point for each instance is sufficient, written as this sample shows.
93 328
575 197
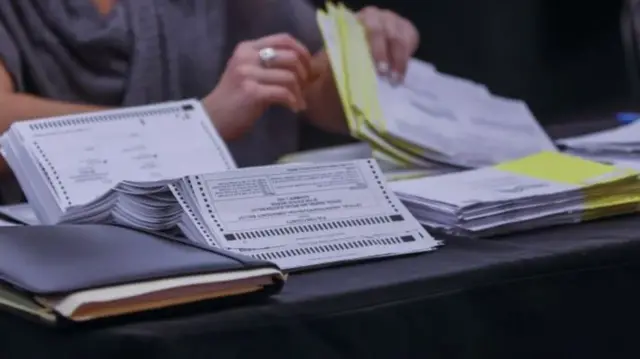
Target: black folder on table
86 272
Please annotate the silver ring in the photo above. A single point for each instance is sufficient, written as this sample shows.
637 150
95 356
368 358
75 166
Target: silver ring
267 55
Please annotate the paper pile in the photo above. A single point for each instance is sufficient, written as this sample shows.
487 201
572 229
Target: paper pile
362 150
63 163
433 119
116 167
611 145
300 215
540 190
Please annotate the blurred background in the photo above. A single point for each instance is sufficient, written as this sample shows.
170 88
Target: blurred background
557 55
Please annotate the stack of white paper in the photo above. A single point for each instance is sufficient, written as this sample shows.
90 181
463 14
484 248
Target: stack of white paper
545 189
164 168
301 215
611 145
63 163
432 119
362 150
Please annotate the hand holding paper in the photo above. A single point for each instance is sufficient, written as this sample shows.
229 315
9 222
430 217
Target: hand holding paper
432 120
392 40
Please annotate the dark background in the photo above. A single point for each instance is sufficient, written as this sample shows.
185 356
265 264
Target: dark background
555 54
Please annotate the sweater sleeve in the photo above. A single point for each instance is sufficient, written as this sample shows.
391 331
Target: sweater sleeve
251 19
10 56
304 25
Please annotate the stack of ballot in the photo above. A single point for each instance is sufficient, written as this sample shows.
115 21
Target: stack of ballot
548 188
362 150
432 120
116 167
618 145
64 163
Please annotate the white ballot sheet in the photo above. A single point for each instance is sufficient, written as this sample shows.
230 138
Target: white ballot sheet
462 121
478 187
610 146
301 215
86 155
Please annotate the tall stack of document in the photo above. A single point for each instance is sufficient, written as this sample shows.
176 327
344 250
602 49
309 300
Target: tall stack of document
541 190
431 120
616 145
118 167
64 163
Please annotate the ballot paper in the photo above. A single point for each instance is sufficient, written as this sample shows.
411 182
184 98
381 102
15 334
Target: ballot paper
611 145
117 167
544 189
63 163
431 120
302 215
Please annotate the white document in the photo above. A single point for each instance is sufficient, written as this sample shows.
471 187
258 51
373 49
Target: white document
620 145
22 213
462 121
308 214
482 186
627 135
86 155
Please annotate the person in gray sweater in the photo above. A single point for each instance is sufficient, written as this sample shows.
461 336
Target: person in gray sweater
257 65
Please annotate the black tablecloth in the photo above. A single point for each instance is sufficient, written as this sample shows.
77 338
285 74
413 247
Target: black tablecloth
558 292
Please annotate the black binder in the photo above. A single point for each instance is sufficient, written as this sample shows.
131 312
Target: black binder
86 272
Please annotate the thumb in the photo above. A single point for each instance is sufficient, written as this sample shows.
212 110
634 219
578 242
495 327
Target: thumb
320 65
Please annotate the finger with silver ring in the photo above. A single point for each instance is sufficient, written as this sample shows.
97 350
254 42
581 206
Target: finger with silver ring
289 60
267 56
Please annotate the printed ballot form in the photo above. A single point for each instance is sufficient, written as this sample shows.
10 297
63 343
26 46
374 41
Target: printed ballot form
92 155
69 161
301 215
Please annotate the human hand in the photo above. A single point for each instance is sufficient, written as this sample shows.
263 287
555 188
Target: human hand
392 39
272 70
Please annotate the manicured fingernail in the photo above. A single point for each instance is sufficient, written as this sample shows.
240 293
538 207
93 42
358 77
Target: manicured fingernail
395 78
383 68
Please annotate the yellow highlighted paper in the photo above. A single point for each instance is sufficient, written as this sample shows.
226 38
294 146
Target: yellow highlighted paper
354 71
607 189
566 169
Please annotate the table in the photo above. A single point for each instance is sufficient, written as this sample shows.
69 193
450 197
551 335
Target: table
558 292
567 291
